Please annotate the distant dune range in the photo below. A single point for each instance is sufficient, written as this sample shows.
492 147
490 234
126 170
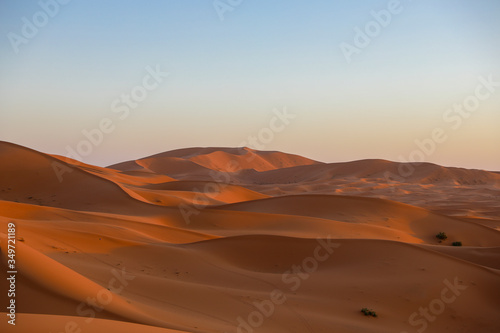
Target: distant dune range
190 240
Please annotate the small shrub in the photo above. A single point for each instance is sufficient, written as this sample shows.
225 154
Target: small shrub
441 236
456 243
368 312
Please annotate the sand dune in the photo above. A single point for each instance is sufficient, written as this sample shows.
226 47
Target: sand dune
415 221
423 173
425 185
238 240
35 322
200 163
27 176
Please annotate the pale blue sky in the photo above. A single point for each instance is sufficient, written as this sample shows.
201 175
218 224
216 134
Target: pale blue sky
226 77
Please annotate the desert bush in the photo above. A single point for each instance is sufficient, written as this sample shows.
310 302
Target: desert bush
441 236
368 312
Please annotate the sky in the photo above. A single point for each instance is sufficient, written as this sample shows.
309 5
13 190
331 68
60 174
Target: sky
108 81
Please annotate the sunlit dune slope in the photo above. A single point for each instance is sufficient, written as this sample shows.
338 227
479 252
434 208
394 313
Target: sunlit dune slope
28 176
198 161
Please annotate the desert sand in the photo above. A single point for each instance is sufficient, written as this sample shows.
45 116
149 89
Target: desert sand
239 240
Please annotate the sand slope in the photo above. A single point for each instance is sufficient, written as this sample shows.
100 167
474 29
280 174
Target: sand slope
220 159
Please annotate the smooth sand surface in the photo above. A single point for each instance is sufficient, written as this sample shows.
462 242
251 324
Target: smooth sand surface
239 240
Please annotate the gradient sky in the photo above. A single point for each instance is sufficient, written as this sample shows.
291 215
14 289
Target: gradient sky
226 77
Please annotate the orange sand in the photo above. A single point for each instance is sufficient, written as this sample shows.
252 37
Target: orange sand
236 240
